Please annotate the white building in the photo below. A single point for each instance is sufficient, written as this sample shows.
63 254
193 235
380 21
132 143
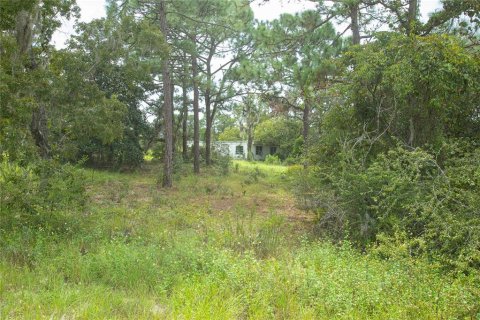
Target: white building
238 149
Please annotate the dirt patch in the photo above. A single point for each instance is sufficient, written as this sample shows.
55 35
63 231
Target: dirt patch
223 204
265 205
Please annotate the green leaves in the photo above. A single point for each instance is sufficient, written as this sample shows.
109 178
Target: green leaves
281 132
230 134
427 79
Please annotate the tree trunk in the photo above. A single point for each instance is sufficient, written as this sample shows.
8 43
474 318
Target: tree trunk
174 128
196 121
411 129
24 31
208 127
250 123
412 16
39 131
249 142
208 112
306 129
354 24
25 22
184 121
167 106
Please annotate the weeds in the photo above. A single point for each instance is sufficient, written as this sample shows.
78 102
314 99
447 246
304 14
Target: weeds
211 255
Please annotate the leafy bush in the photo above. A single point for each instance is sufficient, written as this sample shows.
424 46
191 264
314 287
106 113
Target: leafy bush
282 132
125 153
40 194
253 176
418 90
272 159
230 134
388 169
290 161
222 163
178 163
403 194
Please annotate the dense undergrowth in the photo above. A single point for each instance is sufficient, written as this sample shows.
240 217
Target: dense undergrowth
215 247
412 202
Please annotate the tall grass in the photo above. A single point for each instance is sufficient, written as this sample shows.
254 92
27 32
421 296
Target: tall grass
218 254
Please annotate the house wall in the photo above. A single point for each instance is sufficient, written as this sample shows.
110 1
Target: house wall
230 148
265 150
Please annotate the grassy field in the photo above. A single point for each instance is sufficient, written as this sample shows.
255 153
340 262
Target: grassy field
213 247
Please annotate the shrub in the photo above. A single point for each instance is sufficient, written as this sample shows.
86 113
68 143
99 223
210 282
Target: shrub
272 159
122 154
253 176
402 194
282 132
40 194
222 163
291 161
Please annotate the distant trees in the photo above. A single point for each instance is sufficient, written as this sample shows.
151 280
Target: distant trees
285 133
230 134
198 34
293 64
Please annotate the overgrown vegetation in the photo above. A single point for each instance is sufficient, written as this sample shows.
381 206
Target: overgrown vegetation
44 196
217 249
404 171
378 215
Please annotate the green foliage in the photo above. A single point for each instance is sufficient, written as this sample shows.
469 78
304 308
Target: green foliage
230 134
272 159
27 84
93 119
403 193
123 73
392 166
418 90
281 132
177 255
15 112
42 195
253 175
222 162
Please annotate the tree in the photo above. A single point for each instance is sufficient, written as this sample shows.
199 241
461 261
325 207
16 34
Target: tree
230 134
167 104
282 132
120 55
196 120
226 24
56 95
297 53
249 113
80 112
32 24
418 91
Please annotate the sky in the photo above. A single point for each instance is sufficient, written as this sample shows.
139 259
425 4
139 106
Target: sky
93 9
